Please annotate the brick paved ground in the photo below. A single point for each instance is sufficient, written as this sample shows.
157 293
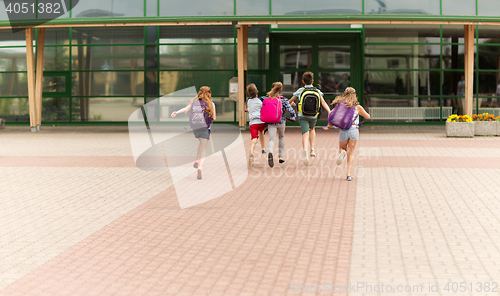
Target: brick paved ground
77 218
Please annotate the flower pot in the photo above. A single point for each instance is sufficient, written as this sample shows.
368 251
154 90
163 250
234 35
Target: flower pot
485 128
460 129
498 128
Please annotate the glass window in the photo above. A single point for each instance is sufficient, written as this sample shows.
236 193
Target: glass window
489 34
453 83
54 84
295 56
197 34
16 109
334 57
259 80
315 7
489 57
453 57
107 57
13 59
197 56
56 58
333 83
108 83
7 38
56 36
424 7
151 83
404 83
453 34
13 84
401 56
258 56
459 7
196 8
258 34
108 8
403 34
291 80
104 109
489 105
109 35
55 109
252 7
151 7
488 7
218 81
489 84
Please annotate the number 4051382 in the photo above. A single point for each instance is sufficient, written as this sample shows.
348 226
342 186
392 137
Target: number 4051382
25 8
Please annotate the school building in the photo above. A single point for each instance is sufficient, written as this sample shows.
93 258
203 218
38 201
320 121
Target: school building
410 61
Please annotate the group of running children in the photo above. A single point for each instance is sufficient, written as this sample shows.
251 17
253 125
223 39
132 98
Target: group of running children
268 112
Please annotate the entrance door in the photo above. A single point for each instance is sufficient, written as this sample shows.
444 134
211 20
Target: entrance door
335 59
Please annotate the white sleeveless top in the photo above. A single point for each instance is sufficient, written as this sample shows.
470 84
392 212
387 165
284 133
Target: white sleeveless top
355 116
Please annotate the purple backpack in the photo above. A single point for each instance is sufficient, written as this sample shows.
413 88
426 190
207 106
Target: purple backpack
198 117
342 116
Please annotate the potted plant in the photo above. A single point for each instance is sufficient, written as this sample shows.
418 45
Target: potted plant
459 126
484 124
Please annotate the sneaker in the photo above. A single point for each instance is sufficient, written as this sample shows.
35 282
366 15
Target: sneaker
349 178
313 154
304 158
195 164
263 150
199 175
250 160
341 157
281 160
270 160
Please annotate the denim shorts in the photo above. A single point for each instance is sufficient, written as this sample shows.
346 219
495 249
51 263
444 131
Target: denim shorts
350 134
203 133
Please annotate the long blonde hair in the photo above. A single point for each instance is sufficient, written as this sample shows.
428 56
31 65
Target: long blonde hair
349 96
276 90
205 94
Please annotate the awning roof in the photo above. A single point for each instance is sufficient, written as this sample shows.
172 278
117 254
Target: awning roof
256 20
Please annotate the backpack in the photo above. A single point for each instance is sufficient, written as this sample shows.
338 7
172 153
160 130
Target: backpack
342 116
198 117
310 101
271 110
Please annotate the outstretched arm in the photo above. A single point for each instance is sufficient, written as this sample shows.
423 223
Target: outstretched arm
291 101
325 105
183 110
363 112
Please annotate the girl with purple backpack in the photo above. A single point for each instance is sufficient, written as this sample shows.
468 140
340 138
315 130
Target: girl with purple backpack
201 115
345 116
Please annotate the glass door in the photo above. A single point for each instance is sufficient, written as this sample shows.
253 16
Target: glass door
333 58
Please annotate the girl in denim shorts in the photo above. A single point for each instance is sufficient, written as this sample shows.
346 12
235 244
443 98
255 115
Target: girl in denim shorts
349 137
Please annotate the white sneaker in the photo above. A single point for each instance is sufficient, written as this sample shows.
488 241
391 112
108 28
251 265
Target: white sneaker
264 151
304 158
341 157
313 154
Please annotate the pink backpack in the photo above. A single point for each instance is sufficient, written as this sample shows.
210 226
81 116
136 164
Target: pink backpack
271 110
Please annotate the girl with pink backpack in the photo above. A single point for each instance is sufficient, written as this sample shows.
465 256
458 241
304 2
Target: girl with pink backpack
345 116
273 113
